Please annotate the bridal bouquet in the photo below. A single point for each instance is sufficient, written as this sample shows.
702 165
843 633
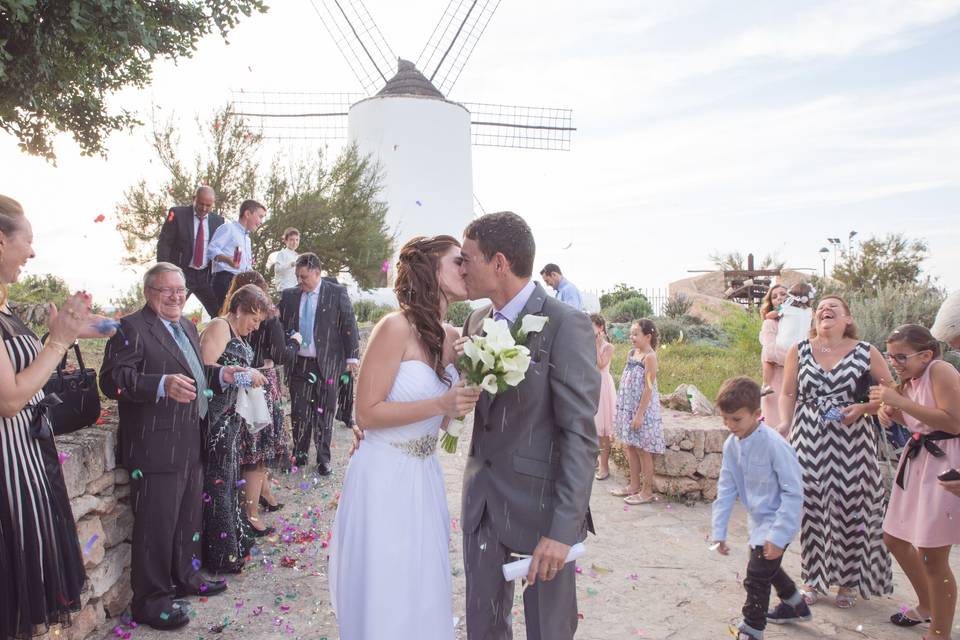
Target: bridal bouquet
494 361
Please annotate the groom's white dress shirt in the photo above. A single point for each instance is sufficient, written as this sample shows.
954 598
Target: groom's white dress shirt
513 308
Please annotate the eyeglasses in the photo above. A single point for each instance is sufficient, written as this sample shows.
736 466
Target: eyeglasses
170 291
901 358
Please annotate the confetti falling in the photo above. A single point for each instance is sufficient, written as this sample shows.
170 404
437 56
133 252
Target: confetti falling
100 218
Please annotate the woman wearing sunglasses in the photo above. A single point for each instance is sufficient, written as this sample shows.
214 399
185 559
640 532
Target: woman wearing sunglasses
920 526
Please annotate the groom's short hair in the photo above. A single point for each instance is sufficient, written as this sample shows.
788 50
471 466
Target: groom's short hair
507 233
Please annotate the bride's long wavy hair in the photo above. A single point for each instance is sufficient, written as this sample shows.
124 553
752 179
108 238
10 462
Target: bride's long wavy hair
419 294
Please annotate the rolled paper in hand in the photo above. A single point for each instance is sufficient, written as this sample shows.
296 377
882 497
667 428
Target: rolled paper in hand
520 568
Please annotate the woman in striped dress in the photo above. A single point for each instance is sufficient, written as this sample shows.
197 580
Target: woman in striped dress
40 561
826 381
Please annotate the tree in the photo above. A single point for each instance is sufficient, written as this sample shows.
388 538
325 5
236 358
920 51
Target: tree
621 291
229 167
736 261
881 262
59 61
335 208
337 212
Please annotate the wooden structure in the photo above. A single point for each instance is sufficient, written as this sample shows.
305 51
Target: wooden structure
748 286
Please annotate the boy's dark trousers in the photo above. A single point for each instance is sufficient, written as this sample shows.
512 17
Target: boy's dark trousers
761 574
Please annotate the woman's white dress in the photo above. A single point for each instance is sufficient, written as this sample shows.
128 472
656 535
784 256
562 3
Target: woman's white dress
389 560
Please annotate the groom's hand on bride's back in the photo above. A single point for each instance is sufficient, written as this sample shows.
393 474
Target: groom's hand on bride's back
357 437
459 400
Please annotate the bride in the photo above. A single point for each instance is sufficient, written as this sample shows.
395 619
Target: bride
389 563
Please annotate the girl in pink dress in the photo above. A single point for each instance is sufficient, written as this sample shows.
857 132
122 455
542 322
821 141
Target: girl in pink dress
771 356
608 395
923 520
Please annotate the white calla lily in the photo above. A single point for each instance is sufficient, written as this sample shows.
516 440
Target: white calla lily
489 383
513 378
498 334
532 324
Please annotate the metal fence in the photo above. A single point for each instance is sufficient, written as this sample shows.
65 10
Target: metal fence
657 297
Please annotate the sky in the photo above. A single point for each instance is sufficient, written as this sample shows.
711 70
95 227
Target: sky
702 126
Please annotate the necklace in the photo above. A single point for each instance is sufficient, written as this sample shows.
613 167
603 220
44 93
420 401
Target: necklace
822 348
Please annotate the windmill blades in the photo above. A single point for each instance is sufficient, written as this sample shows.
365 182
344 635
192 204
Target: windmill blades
356 35
500 125
453 40
288 115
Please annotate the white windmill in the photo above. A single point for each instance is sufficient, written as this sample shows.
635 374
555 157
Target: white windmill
421 139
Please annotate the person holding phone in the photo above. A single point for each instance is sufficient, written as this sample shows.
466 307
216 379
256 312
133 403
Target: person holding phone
919 527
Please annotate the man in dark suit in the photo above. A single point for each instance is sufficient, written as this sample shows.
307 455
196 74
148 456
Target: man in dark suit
344 385
184 238
152 368
322 314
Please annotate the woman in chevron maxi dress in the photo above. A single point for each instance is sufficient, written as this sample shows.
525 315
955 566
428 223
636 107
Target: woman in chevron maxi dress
841 535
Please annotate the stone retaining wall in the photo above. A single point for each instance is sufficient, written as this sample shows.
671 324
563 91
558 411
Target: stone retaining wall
690 466
99 496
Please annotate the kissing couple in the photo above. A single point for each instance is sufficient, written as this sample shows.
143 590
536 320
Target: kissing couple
529 471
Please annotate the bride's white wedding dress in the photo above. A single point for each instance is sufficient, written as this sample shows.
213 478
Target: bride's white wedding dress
389 565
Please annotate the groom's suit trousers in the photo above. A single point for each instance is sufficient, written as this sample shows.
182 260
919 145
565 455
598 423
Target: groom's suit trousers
550 608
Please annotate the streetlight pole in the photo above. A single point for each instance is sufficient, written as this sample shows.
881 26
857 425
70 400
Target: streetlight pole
823 256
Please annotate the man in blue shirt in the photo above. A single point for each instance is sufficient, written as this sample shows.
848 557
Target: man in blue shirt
566 290
230 251
760 468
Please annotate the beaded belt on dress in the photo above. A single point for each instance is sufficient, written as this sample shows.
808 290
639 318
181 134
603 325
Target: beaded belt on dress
422 447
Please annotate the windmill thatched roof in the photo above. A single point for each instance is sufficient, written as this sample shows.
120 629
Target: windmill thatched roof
409 82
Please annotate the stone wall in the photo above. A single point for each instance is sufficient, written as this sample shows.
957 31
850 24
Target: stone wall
690 466
99 496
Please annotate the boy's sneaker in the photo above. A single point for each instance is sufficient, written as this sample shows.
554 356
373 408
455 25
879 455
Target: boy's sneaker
785 613
746 635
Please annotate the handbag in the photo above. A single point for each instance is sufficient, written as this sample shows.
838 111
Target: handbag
79 397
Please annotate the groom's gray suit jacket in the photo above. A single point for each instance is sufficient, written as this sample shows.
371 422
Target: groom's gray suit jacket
534 446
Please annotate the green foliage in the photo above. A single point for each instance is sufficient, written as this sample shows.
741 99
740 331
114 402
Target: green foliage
457 313
677 306
620 293
59 61
742 331
337 210
880 262
39 290
229 166
368 311
629 310
879 313
689 330
705 367
129 301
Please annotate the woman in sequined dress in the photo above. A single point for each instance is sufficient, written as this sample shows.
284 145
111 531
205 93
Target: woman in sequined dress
227 534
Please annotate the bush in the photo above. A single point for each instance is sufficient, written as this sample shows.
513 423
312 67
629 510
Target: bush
620 293
893 305
368 311
457 313
677 306
629 310
742 332
129 301
39 290
689 330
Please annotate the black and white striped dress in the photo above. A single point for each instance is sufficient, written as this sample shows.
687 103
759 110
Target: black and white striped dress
41 567
841 536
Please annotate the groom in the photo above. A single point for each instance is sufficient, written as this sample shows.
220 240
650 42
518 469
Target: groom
526 487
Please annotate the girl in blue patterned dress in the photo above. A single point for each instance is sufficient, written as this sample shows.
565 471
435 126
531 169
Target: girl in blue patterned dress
637 422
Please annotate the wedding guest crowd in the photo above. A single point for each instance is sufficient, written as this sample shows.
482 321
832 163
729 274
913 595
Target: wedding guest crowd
201 423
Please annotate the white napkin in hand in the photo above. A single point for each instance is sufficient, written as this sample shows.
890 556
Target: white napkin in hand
252 407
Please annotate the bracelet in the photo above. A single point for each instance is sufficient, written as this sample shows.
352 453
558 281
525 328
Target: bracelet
63 347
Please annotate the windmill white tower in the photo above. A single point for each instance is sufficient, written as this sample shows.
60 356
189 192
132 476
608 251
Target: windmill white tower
421 140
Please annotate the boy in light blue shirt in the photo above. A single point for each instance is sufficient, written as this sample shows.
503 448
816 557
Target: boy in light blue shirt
761 469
